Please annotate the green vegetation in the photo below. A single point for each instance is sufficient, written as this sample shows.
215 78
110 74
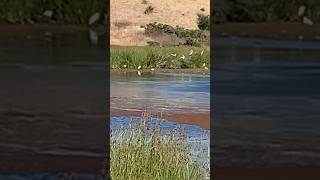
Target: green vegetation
146 153
170 57
192 37
203 22
264 10
49 11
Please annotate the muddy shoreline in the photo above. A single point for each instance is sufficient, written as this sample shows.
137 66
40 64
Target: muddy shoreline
200 119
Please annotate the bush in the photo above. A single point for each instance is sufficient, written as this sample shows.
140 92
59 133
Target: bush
192 37
203 22
149 10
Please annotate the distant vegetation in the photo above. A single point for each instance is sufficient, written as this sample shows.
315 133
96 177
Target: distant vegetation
192 37
79 12
52 11
263 10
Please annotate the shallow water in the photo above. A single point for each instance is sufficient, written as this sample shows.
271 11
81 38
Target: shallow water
160 92
165 93
266 102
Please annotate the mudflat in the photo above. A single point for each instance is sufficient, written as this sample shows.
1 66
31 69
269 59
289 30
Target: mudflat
200 119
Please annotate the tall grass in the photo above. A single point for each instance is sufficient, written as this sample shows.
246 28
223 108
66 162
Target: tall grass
169 57
143 153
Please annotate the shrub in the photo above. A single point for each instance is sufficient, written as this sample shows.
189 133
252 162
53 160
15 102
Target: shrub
121 24
203 22
192 37
149 10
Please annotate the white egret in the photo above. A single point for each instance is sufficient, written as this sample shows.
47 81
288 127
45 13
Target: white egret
191 52
202 52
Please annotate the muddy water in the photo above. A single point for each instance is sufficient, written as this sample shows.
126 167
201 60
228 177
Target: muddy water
51 106
266 102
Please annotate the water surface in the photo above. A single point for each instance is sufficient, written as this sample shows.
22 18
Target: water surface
266 102
160 92
51 102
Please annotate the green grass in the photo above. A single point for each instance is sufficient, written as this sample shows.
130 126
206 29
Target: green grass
168 57
141 153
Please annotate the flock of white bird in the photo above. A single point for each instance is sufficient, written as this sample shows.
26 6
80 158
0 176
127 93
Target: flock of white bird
174 55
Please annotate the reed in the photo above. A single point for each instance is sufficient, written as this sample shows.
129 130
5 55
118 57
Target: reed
144 152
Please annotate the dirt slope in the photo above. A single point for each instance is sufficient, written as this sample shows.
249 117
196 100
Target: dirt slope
127 17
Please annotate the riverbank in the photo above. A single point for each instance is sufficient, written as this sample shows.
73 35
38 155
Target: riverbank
292 31
167 57
200 119
161 70
262 30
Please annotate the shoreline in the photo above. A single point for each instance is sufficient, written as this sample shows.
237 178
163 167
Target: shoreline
159 70
291 30
200 119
